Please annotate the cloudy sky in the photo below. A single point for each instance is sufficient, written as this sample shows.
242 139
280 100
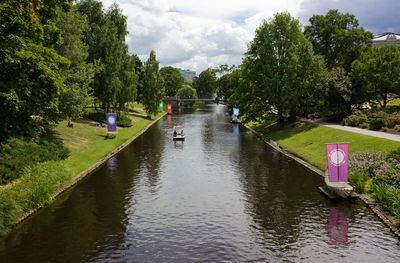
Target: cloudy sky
197 34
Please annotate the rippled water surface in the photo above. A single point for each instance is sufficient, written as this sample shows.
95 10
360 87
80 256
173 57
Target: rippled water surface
220 196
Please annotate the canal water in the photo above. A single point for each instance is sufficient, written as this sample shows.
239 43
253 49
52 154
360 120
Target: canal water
220 196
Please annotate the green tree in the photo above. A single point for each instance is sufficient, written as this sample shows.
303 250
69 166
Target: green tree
206 83
338 38
129 79
280 66
378 72
187 92
334 90
79 75
173 80
30 78
153 85
107 48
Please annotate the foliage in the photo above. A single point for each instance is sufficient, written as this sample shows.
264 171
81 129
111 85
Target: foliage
30 78
187 92
378 71
338 38
79 74
115 81
16 155
359 180
153 85
389 197
356 119
395 154
124 121
173 80
282 66
206 83
33 190
334 89
377 120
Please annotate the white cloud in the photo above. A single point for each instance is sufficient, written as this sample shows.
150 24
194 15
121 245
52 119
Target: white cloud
199 34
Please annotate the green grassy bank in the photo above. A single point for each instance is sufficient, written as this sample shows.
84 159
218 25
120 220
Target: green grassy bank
308 141
88 144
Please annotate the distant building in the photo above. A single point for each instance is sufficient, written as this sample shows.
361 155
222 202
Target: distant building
188 75
386 39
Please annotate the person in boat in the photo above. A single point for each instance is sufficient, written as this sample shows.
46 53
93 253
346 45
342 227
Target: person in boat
175 133
182 132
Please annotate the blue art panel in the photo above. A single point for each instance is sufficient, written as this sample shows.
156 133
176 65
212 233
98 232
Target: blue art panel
111 122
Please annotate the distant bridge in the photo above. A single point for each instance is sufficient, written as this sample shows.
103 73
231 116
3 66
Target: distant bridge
176 101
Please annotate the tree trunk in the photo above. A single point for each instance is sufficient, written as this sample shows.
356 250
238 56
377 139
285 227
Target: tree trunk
280 117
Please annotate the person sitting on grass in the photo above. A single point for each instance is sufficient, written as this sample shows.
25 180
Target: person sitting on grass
70 124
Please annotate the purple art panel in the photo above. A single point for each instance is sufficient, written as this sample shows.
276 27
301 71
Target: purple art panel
337 157
111 122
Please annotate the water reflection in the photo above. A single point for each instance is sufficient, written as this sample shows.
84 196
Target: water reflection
337 228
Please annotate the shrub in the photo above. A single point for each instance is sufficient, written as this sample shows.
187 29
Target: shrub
385 129
397 128
394 154
389 197
355 119
377 120
364 125
359 180
124 121
393 120
16 154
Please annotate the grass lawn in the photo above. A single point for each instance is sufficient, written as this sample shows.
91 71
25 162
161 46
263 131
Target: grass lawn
308 141
88 143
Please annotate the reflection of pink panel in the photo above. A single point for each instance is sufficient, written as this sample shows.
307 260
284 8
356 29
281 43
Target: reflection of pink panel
337 157
337 228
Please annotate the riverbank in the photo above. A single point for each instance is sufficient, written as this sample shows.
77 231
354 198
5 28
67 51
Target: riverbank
42 183
305 143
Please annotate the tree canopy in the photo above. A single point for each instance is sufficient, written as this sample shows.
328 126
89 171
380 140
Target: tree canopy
378 71
173 80
153 85
281 64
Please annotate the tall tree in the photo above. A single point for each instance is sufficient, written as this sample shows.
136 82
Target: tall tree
106 40
206 83
30 78
129 79
281 64
338 38
79 75
173 80
153 85
378 71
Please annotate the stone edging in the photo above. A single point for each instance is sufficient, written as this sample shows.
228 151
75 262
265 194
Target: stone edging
88 171
385 217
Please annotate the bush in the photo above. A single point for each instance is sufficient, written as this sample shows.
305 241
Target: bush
393 120
394 155
377 120
124 121
389 197
364 125
397 128
16 154
355 119
359 179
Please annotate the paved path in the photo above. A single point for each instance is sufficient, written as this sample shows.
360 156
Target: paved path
379 134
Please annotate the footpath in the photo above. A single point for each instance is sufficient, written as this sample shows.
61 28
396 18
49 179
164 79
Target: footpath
378 134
